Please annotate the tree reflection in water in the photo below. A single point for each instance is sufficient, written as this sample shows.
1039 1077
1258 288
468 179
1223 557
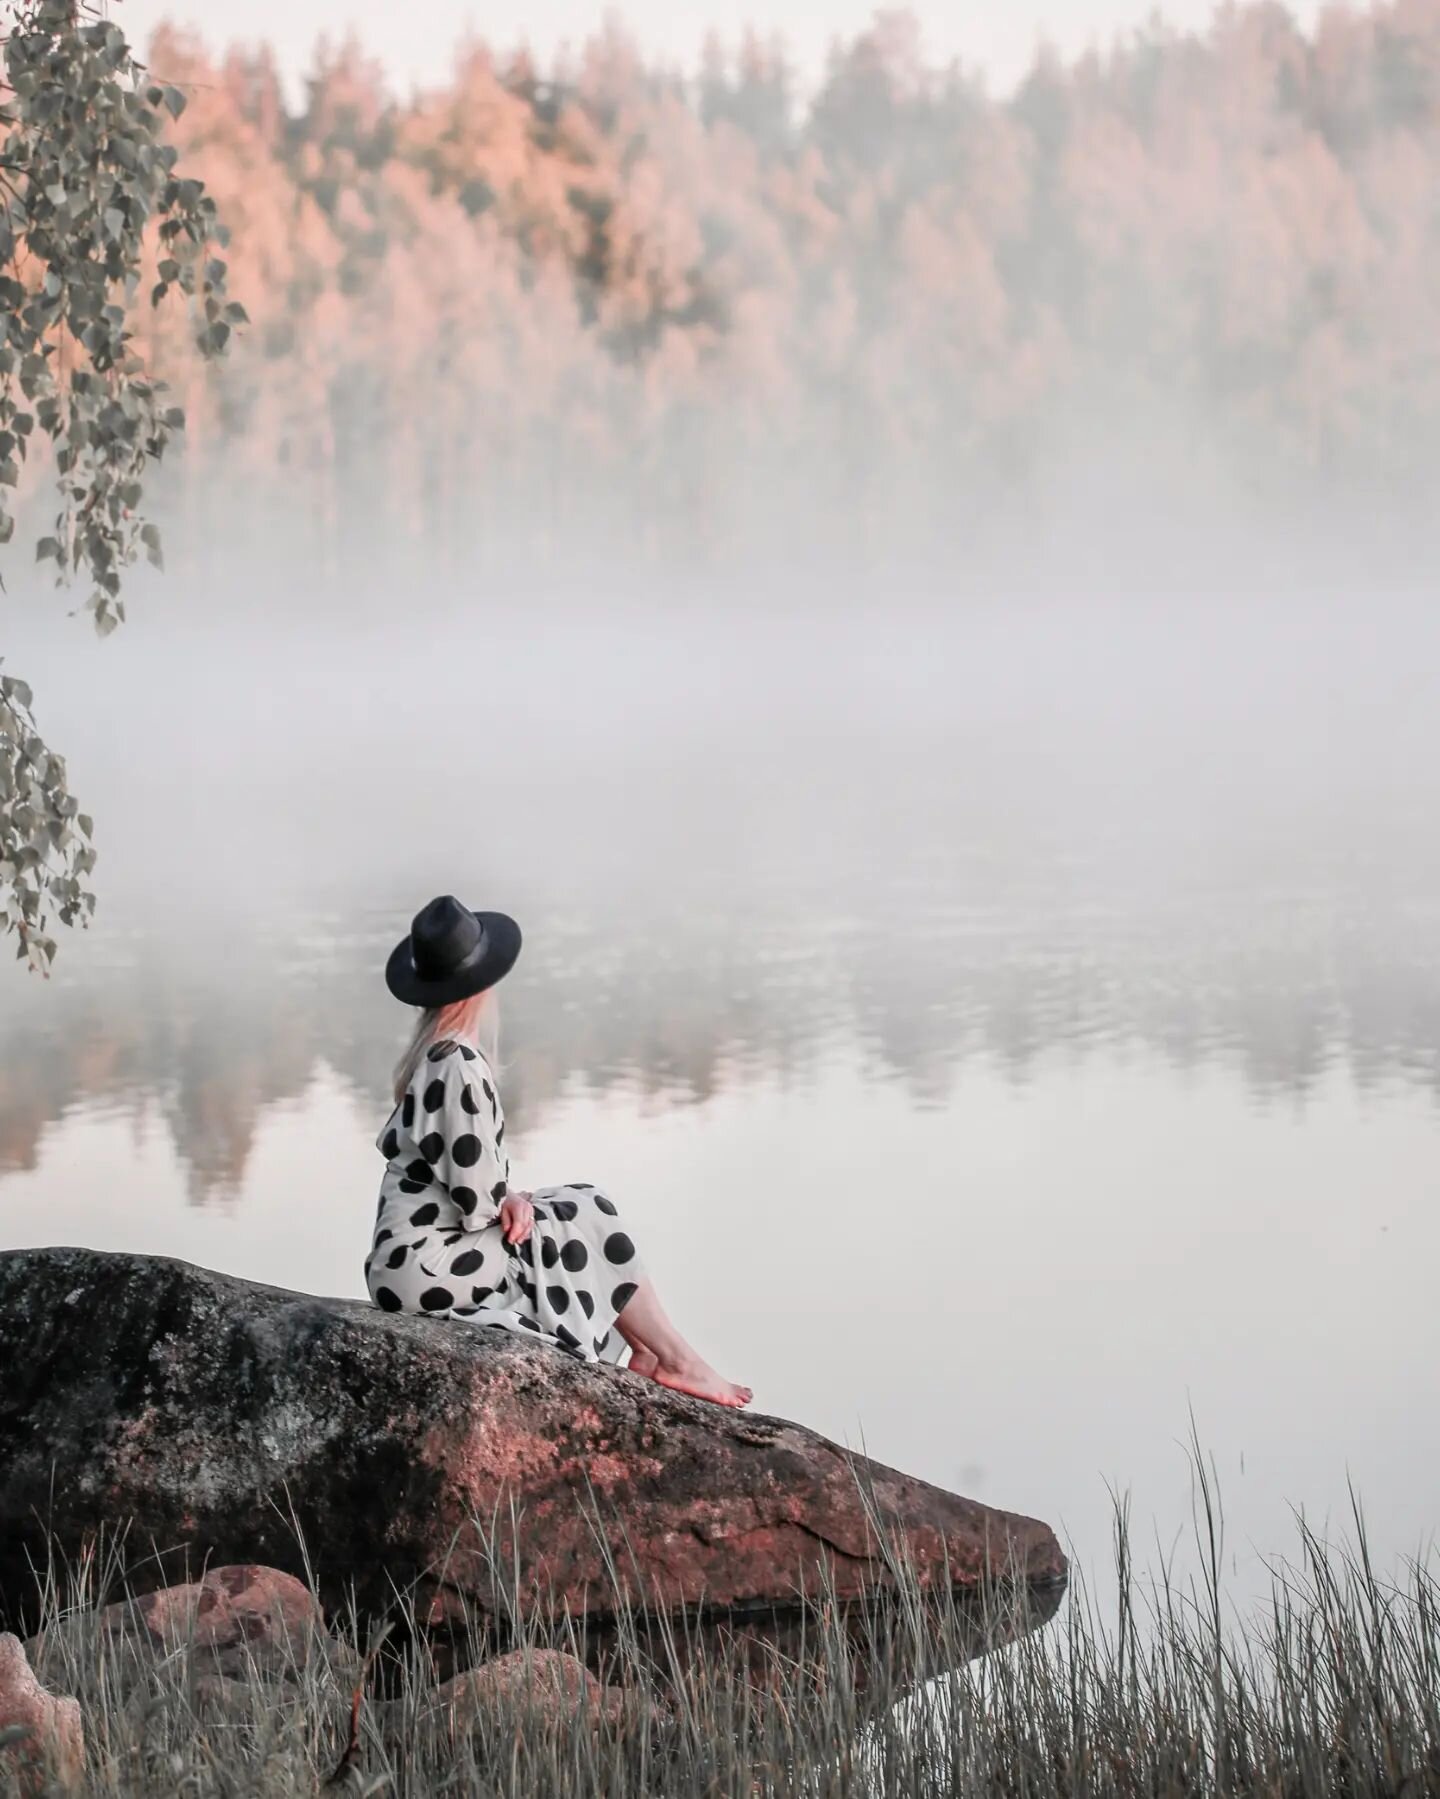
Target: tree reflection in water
691 1006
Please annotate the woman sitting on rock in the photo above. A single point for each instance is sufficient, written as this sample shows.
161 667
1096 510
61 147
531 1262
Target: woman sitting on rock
451 1237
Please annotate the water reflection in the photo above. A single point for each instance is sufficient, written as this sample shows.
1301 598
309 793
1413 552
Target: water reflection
693 1004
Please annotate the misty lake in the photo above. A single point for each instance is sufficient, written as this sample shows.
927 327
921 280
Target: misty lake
1013 1028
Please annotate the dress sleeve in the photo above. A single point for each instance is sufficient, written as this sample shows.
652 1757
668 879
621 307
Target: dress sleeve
464 1137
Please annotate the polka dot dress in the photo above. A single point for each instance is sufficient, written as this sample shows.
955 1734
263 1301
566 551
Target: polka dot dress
438 1244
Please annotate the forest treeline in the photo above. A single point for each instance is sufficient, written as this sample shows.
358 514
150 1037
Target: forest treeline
606 304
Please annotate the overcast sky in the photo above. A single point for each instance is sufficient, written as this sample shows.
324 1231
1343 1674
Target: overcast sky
414 39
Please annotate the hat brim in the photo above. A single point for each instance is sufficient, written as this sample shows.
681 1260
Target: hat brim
502 947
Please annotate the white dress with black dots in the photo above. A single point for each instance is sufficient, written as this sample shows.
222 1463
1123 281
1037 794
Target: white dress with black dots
438 1244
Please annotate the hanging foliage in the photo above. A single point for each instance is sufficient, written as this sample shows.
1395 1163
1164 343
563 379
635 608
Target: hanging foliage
85 175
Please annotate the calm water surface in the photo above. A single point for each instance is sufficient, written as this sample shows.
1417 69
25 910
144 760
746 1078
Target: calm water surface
998 1068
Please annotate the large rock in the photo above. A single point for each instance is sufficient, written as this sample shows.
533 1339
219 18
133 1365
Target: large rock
220 1418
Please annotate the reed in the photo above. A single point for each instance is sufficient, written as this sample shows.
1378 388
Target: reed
1330 1687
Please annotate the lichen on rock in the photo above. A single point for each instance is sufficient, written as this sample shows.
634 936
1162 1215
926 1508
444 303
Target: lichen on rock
225 1421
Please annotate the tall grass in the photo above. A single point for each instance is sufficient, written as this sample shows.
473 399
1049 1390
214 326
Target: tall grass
1330 1687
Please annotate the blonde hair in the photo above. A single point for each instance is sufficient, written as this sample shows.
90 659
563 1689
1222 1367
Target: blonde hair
475 1021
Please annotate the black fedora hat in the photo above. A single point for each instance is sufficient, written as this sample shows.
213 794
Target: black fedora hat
451 953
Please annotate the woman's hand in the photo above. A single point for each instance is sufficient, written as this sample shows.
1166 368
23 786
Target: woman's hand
517 1217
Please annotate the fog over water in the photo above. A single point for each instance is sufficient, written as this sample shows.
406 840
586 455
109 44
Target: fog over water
1011 1017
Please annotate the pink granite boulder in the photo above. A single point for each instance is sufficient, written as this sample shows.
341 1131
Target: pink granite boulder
40 1733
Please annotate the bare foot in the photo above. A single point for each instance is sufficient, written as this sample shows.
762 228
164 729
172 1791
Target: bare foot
644 1361
701 1381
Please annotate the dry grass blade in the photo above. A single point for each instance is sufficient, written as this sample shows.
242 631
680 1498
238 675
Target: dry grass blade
347 1771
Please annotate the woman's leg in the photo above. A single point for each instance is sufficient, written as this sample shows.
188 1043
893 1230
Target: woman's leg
659 1351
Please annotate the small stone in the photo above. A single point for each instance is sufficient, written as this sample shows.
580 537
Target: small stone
238 1624
243 1617
547 1682
53 1743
